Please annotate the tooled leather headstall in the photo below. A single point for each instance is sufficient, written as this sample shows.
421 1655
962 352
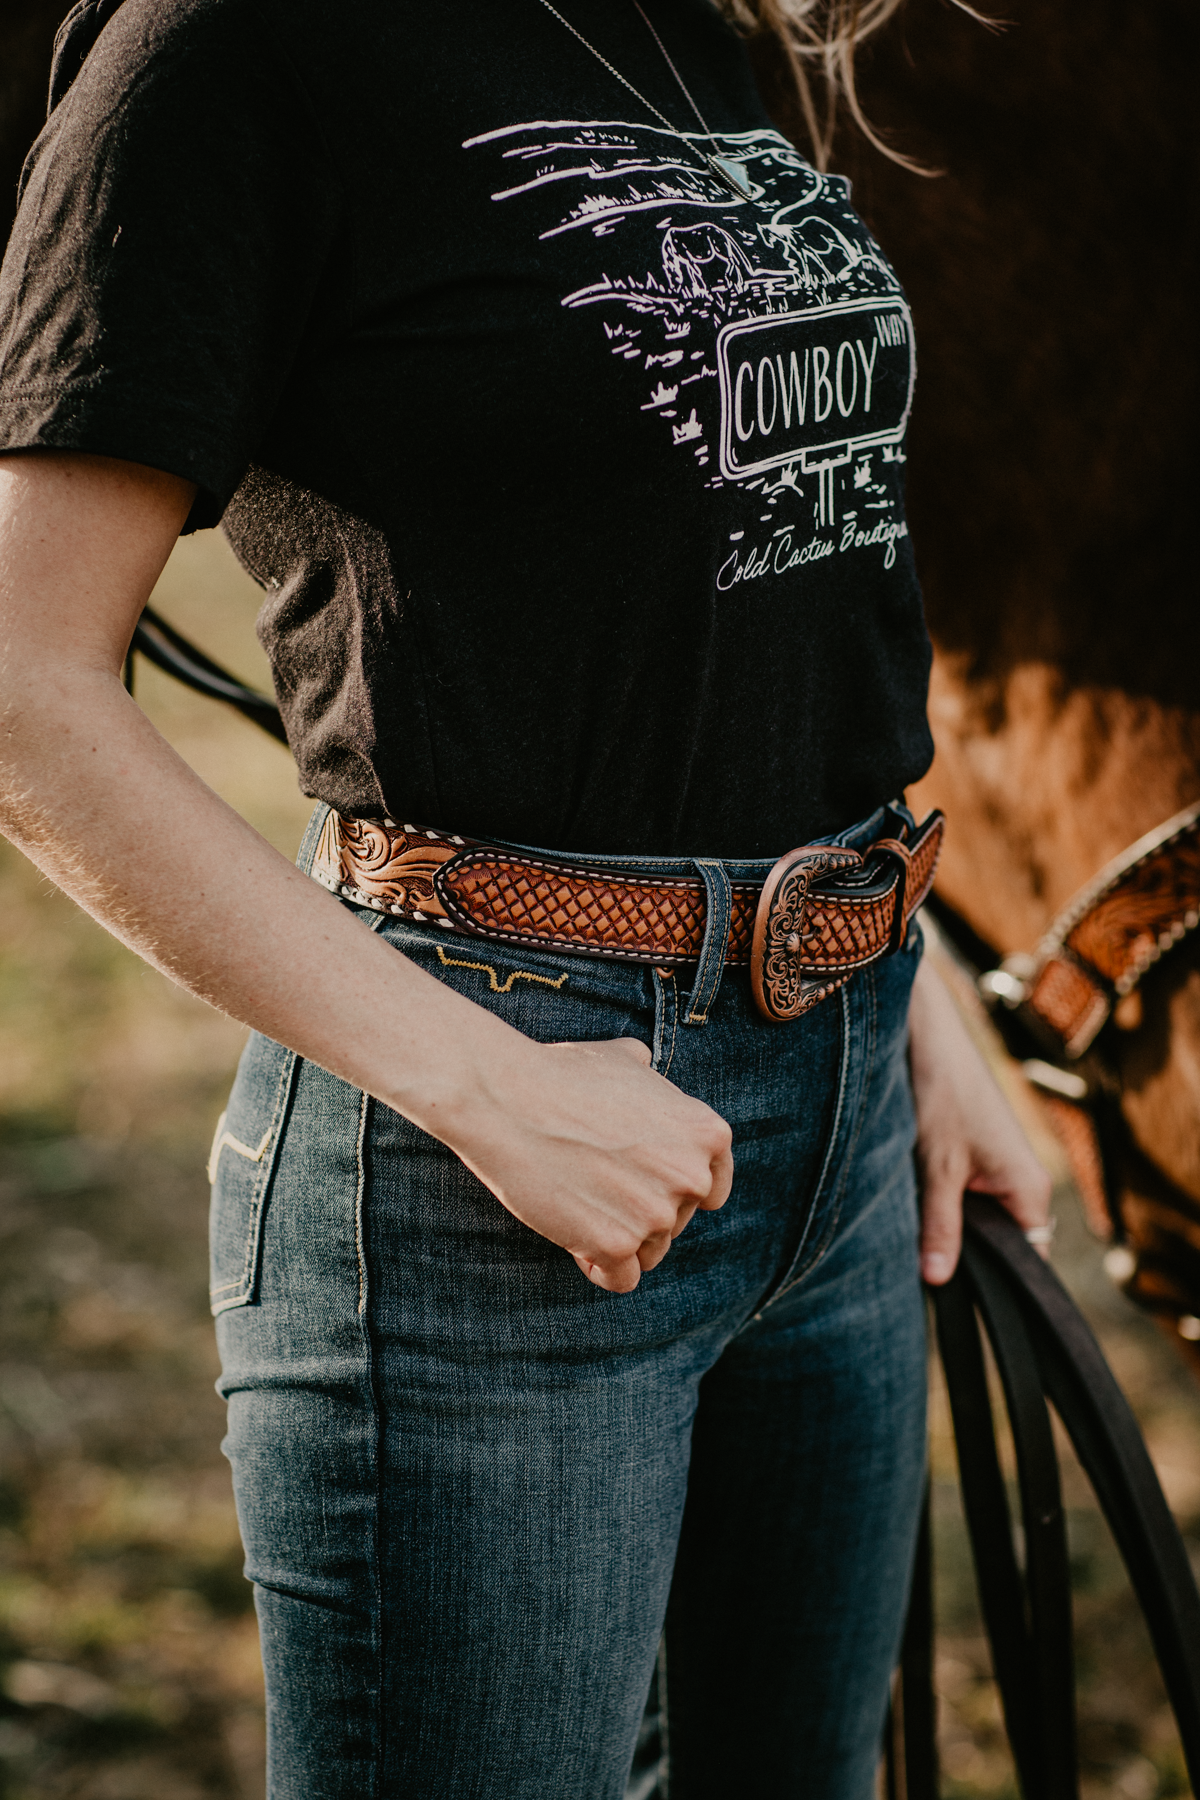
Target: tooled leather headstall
1050 1009
822 914
1105 939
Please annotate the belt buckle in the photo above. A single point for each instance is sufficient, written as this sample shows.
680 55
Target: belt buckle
783 989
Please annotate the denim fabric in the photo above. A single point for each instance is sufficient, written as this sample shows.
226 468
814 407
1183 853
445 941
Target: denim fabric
476 1491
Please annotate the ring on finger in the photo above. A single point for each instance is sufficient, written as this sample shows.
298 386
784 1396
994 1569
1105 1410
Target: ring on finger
1042 1234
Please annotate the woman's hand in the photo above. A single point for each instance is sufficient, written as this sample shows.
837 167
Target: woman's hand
967 1134
590 1148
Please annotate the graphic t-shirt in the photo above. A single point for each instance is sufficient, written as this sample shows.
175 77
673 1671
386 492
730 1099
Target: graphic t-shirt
573 478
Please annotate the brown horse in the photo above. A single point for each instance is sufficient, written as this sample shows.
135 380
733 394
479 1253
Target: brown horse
1052 273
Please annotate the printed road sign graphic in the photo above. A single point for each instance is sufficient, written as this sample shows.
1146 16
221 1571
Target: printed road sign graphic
814 387
766 338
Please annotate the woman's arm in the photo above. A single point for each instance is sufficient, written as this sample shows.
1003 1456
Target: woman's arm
582 1142
967 1134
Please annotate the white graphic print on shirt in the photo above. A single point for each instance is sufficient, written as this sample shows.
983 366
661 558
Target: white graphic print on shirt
776 338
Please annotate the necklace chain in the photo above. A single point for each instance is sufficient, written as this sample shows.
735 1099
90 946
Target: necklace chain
648 104
686 91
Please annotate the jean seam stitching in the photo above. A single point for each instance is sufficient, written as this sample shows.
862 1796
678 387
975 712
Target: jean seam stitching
380 1734
360 1162
792 1276
799 1271
245 1285
379 1746
260 1185
840 1194
670 1008
360 1185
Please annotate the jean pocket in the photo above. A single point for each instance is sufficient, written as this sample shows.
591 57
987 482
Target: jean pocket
241 1164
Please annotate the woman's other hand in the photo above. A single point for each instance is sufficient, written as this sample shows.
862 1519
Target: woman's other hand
967 1134
590 1148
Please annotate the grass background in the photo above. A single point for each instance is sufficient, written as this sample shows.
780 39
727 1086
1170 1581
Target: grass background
128 1657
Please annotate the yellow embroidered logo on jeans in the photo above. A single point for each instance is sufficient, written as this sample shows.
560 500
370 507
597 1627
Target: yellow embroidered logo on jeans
456 962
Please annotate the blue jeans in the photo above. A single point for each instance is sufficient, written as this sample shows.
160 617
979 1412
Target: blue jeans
480 1497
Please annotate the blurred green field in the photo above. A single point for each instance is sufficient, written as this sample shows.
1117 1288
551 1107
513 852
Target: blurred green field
128 1660
125 1622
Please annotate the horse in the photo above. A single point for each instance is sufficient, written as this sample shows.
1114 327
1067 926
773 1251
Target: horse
1050 262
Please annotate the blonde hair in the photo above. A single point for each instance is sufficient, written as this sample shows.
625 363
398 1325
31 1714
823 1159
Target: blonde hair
818 40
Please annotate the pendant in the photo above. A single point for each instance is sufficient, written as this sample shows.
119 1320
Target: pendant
733 174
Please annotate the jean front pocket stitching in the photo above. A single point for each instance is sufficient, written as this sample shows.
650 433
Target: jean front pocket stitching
245 1283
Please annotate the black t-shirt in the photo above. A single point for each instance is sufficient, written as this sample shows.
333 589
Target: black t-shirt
574 481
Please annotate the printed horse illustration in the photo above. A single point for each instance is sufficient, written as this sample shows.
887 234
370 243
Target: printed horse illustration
699 260
818 252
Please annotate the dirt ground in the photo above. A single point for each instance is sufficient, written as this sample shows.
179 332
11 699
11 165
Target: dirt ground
128 1658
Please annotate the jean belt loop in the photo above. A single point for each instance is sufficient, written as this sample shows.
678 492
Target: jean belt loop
719 895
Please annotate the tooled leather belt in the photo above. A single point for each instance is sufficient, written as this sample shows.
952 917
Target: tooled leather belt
822 913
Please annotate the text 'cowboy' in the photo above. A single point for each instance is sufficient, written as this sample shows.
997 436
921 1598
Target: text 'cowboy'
814 386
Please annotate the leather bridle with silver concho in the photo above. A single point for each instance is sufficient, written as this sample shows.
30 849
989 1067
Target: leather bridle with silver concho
1051 1007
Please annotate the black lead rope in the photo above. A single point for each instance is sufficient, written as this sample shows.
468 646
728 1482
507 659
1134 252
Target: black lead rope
910 1740
1044 1351
170 651
1047 1563
985 1503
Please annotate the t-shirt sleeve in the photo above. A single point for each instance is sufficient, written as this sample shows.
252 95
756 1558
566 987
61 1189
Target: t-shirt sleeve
170 262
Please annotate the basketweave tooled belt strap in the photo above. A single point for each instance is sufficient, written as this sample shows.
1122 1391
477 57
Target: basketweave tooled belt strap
822 913
1098 948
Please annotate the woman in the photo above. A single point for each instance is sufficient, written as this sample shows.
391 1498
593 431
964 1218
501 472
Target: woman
565 1247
